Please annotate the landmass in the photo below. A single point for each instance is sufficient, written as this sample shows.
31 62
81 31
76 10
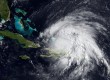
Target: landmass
4 9
24 42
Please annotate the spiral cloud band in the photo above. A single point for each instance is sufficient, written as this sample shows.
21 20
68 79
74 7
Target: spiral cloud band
76 35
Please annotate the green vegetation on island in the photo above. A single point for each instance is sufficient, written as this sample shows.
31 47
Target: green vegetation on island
53 53
4 9
15 36
24 57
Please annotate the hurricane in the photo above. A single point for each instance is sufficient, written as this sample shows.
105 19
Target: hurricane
76 36
54 40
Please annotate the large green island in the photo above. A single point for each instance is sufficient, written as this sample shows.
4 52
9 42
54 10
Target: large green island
15 36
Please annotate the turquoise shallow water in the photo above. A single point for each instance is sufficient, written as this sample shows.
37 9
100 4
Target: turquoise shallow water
25 28
1 38
17 10
21 28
